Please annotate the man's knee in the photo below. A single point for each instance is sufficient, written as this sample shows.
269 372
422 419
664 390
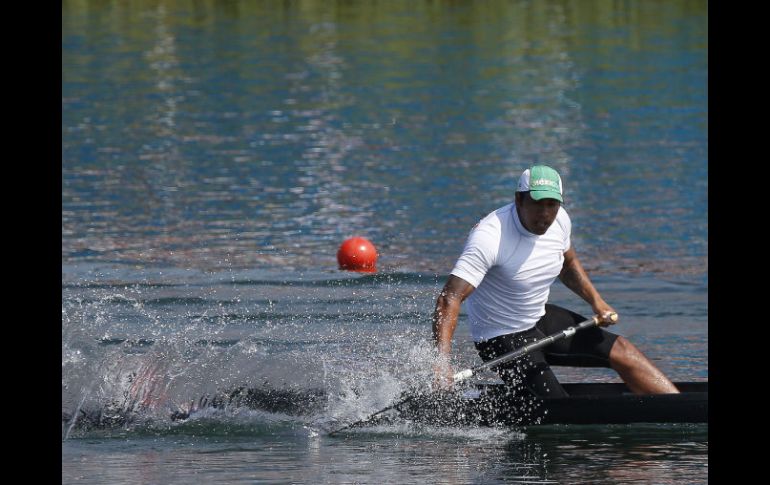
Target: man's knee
622 354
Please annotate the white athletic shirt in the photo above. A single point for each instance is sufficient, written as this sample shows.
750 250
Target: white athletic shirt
512 271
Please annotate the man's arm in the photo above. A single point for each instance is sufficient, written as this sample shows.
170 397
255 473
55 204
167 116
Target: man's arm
575 278
448 303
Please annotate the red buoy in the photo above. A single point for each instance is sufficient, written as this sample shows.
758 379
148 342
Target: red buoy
357 254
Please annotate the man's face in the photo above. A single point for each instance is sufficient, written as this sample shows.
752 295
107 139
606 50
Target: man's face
536 215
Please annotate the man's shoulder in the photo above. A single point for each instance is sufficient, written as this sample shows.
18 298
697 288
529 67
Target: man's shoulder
489 228
563 216
563 221
495 219
503 213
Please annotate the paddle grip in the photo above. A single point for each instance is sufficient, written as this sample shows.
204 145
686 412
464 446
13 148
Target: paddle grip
461 376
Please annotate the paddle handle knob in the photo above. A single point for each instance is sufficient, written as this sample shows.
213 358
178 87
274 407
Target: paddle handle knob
613 317
461 376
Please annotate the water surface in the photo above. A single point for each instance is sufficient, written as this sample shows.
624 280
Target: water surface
215 155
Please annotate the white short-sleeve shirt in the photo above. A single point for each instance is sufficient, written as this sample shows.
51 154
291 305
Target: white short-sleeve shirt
511 270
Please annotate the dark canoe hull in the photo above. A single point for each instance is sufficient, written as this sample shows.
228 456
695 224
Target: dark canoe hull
480 405
591 403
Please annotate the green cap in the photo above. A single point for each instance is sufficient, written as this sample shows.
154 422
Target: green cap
542 182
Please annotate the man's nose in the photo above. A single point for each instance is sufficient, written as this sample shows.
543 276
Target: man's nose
544 210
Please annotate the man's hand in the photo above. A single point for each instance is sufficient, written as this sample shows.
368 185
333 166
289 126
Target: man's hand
607 315
442 374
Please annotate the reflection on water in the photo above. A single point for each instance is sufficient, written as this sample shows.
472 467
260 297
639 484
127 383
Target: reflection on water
577 454
201 135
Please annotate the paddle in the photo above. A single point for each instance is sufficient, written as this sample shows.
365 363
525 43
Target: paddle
467 373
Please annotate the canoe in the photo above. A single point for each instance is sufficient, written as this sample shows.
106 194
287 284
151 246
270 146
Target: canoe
116 414
588 403
473 405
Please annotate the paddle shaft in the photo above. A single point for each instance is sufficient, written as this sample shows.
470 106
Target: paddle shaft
465 374
538 344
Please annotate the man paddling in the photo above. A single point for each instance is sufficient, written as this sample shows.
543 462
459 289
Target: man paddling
510 259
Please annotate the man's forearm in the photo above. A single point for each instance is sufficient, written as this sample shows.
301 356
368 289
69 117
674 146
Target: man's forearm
447 310
444 323
575 278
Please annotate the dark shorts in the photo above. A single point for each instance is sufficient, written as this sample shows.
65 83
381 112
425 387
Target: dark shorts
589 347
